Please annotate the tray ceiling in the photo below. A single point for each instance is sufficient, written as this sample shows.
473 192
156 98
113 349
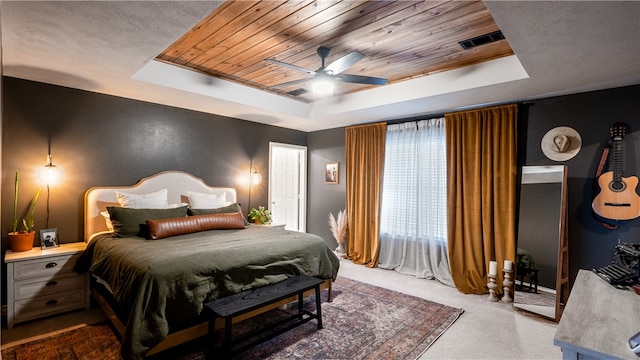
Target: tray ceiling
401 40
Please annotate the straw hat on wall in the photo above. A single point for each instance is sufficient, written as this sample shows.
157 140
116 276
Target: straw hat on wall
561 143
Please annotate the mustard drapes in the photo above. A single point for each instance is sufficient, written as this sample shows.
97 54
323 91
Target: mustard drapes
481 171
364 150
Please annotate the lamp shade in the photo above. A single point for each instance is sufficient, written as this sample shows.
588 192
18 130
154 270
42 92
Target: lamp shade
256 178
49 174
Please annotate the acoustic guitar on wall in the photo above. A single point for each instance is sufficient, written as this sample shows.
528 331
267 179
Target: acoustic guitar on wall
617 199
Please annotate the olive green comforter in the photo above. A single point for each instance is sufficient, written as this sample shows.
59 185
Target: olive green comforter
164 283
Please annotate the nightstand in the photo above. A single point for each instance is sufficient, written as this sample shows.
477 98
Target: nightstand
42 283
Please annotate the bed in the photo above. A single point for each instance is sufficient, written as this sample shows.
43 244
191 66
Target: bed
153 291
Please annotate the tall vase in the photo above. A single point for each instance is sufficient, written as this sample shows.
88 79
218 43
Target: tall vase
340 249
21 241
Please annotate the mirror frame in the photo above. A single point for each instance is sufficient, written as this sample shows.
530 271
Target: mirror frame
552 174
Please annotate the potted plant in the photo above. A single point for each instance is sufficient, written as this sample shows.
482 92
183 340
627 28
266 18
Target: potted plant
260 216
22 240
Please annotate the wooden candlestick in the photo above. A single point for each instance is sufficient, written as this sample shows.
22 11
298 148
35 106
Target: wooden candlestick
507 284
492 288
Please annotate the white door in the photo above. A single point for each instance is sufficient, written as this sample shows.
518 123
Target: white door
287 185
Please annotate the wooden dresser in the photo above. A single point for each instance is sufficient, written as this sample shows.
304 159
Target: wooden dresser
42 283
598 320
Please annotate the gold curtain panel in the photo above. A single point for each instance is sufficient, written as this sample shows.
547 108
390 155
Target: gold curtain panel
365 162
481 171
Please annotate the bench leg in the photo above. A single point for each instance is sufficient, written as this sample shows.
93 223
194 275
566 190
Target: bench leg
226 346
318 307
212 331
300 304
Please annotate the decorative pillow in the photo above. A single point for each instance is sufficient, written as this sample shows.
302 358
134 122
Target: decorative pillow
133 222
206 201
235 207
107 219
159 229
155 200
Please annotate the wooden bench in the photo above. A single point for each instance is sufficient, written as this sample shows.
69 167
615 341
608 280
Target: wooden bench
241 303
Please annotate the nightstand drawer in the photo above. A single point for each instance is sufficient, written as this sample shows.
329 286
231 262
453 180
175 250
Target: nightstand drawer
29 288
48 305
44 267
41 282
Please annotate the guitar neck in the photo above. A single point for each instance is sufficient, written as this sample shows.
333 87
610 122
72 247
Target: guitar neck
616 164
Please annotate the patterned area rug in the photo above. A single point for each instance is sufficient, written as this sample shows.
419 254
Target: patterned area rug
362 322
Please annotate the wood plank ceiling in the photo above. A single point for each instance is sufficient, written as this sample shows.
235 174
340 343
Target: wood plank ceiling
401 40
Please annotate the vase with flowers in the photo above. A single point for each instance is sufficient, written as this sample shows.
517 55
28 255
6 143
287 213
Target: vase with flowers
22 240
338 226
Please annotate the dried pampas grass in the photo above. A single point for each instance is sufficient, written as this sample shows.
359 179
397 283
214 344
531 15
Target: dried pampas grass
338 226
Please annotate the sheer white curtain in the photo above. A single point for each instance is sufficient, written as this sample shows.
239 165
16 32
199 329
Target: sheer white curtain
413 223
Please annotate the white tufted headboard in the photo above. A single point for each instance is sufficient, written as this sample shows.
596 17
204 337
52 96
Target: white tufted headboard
177 184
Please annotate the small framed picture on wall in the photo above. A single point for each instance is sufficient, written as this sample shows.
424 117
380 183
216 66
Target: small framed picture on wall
49 238
331 173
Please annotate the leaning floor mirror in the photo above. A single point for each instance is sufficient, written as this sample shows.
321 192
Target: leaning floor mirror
541 278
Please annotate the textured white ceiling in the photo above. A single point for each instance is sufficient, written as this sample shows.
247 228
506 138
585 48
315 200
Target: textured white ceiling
561 47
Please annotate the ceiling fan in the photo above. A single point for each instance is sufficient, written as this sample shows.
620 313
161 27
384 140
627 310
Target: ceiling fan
332 71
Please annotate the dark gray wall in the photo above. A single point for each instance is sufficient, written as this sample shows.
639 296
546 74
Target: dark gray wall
325 147
105 140
591 114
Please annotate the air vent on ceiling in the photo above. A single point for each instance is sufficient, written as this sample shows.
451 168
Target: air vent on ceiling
297 92
481 40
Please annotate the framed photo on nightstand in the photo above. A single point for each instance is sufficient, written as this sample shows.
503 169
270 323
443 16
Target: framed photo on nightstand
49 238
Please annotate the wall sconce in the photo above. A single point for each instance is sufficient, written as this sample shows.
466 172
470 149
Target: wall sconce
49 174
256 178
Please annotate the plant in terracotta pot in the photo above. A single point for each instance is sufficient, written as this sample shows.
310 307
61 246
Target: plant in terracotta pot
260 216
22 240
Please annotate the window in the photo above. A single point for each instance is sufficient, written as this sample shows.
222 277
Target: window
413 222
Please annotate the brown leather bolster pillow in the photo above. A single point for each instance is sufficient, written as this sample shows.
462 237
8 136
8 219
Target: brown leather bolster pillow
159 229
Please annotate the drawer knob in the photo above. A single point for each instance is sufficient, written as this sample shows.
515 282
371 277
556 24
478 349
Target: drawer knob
51 264
52 302
52 283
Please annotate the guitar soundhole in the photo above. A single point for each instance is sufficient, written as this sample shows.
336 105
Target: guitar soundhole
617 186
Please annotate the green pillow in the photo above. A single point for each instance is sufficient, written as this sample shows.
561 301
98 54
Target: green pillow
133 222
221 210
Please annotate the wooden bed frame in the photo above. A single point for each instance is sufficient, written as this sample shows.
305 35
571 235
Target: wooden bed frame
177 184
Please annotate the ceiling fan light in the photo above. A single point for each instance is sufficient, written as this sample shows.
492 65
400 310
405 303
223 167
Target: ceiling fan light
322 87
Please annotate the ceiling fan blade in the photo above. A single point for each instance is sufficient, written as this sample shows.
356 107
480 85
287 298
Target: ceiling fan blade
343 63
357 79
292 82
290 66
